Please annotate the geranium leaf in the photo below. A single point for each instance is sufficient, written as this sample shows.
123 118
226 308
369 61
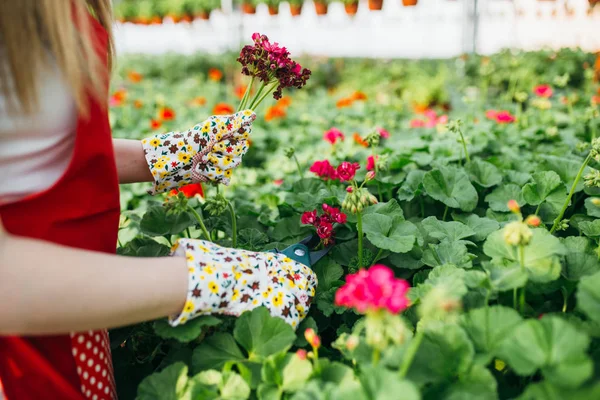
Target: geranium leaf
158 222
169 384
215 351
499 198
592 209
382 384
412 186
452 187
580 258
386 233
480 225
506 277
544 183
566 168
390 209
185 332
447 252
144 247
590 228
441 230
483 173
588 296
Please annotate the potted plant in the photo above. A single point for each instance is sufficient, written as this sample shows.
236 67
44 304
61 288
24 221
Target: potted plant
125 11
296 7
409 3
249 6
351 7
321 6
203 8
145 12
273 6
375 5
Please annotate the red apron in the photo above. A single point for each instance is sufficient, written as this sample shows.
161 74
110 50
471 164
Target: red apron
81 210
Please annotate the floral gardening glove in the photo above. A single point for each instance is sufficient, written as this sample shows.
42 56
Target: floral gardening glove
229 281
207 152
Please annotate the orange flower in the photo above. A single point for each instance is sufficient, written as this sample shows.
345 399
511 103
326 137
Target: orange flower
359 140
275 112
135 77
118 97
138 104
215 75
166 114
223 109
189 191
198 101
155 124
596 100
358 95
284 101
345 102
240 90
420 108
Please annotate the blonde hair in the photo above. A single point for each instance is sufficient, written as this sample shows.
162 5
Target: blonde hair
35 34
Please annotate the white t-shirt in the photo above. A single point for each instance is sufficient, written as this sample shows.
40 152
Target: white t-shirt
35 151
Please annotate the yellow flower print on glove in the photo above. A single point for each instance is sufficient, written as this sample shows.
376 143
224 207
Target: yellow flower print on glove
230 281
208 151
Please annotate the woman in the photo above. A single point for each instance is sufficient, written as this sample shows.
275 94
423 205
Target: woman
61 286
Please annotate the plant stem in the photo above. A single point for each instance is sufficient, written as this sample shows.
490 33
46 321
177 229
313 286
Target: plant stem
462 139
233 224
298 166
537 210
410 353
568 200
187 231
201 223
565 298
445 213
376 356
522 263
515 299
258 93
360 239
246 95
258 100
379 253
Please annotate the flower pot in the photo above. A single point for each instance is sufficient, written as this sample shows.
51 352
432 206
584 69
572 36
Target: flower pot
156 20
248 8
375 5
204 15
274 10
409 3
295 9
351 9
321 8
187 18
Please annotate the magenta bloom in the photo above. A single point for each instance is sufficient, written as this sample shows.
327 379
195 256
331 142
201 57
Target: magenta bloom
323 169
334 214
324 223
383 133
504 117
333 135
373 290
491 114
309 218
417 123
543 91
443 119
347 170
371 163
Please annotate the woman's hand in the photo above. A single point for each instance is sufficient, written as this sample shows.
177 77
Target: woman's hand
231 281
208 151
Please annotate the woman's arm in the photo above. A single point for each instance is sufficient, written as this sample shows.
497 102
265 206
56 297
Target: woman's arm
131 163
50 289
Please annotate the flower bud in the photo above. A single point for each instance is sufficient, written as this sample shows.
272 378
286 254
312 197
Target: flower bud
349 189
363 200
593 178
533 220
352 342
513 206
521 97
301 353
517 234
312 338
373 199
370 176
354 209
596 201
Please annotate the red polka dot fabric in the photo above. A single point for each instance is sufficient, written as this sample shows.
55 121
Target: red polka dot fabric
91 351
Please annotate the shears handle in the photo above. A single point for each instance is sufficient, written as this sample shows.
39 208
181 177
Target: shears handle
297 252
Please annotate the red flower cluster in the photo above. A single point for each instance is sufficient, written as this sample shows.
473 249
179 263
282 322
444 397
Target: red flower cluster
371 160
324 223
501 117
344 172
333 135
373 290
269 62
189 191
430 121
544 91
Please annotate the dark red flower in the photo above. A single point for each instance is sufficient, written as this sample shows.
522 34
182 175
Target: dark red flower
371 163
323 169
325 230
309 218
347 170
334 214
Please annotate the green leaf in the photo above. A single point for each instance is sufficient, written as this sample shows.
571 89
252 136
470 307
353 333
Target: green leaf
215 351
261 334
452 187
499 198
390 209
447 276
481 226
483 173
552 345
540 256
448 253
566 168
296 373
547 391
488 327
252 239
268 392
592 209
412 186
234 387
590 228
445 352
289 228
185 332
144 247
477 384
328 272
406 260
335 372
588 296
382 384
390 234
544 183
308 322
580 259
506 277
169 384
451 231
158 222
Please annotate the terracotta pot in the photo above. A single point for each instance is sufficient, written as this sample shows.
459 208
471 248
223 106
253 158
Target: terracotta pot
409 3
351 9
274 10
375 5
295 9
248 8
156 20
205 15
321 8
187 18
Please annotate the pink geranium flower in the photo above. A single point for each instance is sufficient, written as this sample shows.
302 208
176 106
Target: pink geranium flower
324 223
383 133
543 91
371 163
373 290
323 169
491 114
347 170
504 117
417 123
333 135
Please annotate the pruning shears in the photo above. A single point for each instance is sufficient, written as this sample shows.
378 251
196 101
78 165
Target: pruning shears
300 252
